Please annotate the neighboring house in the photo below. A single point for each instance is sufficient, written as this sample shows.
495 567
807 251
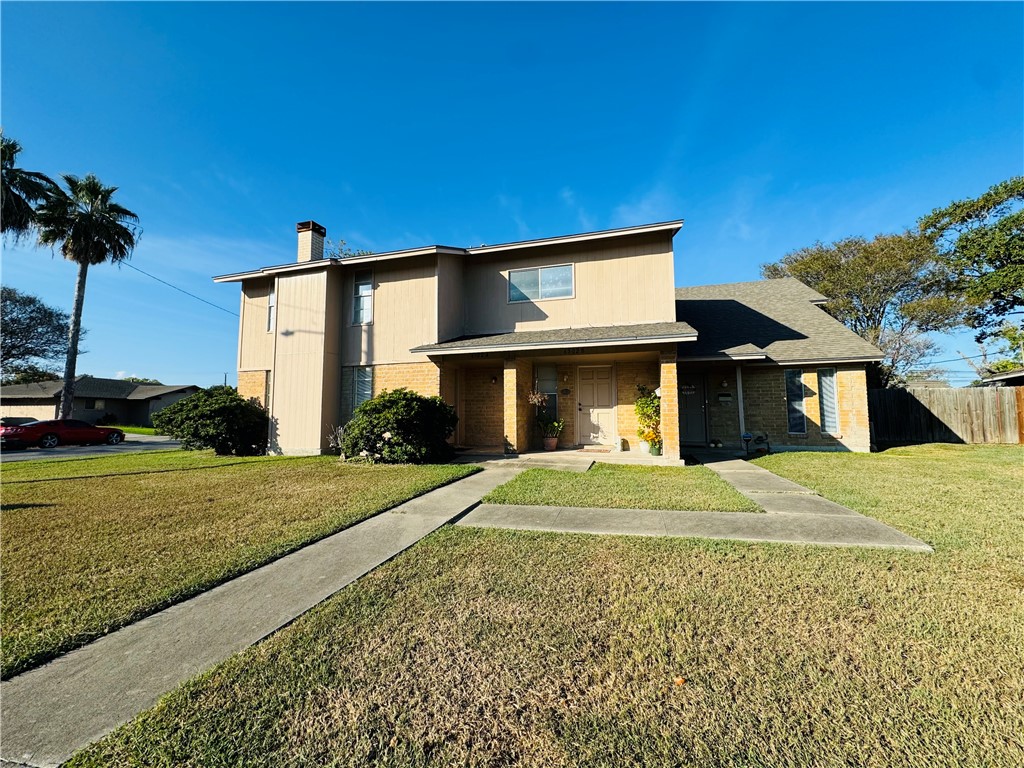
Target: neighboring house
583 318
128 402
1014 378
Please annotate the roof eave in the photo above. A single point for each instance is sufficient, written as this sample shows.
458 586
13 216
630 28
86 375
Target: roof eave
237 277
528 346
664 226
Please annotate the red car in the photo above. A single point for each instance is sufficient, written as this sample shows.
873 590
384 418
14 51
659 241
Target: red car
49 434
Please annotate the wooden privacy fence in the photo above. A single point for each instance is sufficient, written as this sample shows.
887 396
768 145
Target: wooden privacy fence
968 415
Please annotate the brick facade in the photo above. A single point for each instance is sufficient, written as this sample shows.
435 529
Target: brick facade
627 377
424 378
481 410
253 385
518 413
764 397
669 405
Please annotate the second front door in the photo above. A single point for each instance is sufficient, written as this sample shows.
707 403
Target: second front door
596 405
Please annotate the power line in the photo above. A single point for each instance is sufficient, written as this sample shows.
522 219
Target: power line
181 290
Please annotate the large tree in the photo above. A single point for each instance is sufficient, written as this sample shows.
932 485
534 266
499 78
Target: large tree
90 229
22 191
889 290
982 244
33 334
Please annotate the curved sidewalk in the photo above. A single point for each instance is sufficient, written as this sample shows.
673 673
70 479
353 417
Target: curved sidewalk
792 515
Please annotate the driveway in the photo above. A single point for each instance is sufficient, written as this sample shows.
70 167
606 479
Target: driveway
132 444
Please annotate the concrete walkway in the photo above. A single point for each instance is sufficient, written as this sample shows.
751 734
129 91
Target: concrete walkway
48 713
794 515
132 444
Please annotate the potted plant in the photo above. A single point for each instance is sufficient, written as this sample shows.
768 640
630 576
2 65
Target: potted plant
648 418
550 426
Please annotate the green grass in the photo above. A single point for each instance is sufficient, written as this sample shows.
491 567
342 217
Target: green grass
136 430
131 534
501 648
624 486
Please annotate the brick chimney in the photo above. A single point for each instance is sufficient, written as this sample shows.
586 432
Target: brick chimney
311 240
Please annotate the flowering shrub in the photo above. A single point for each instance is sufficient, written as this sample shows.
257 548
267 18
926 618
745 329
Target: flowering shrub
648 415
400 427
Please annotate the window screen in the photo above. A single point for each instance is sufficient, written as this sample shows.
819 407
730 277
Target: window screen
828 404
795 402
362 299
541 283
271 308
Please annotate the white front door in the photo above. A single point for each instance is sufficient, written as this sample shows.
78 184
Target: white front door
596 405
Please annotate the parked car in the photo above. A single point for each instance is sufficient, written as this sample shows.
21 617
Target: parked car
49 434
16 421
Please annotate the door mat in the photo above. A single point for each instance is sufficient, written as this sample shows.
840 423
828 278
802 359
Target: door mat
595 450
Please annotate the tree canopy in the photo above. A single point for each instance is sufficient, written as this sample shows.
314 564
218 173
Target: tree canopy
33 334
22 191
90 228
889 290
981 243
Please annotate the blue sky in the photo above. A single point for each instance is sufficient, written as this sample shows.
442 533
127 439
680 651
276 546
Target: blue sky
765 126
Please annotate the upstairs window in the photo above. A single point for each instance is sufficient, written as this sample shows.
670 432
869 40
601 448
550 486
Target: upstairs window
362 298
795 402
271 308
540 283
828 402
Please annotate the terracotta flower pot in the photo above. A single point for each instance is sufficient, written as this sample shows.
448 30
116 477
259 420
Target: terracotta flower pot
550 443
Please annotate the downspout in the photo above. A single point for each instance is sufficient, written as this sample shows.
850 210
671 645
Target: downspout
739 398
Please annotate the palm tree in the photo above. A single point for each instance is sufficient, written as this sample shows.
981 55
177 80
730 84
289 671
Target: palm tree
90 229
21 191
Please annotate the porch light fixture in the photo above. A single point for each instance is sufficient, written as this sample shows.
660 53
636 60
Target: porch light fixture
494 379
724 384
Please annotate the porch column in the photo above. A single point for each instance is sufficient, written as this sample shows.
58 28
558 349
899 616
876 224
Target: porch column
669 384
517 409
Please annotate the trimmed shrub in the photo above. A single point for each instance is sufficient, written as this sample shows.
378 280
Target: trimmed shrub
401 427
217 418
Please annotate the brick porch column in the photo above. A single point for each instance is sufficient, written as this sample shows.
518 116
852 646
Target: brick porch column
669 383
517 409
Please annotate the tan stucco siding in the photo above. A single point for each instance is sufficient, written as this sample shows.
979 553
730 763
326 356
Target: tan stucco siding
450 310
404 313
38 411
632 282
298 370
764 396
256 344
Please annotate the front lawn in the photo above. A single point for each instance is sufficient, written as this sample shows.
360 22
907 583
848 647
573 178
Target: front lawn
624 486
499 648
90 545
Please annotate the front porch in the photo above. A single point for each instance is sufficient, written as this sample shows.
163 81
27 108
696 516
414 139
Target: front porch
592 394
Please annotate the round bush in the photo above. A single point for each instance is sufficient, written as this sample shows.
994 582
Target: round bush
217 418
401 427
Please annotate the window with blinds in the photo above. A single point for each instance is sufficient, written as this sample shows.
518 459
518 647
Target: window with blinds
795 402
362 298
364 386
828 400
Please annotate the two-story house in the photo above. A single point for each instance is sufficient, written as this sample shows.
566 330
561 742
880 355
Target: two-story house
583 319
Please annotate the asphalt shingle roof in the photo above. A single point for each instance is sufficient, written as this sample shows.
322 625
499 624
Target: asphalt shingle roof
778 318
91 387
643 333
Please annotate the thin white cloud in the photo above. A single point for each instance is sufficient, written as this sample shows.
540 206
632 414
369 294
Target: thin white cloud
659 203
513 206
569 198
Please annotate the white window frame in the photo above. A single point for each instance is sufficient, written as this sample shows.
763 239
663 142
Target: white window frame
800 405
538 270
834 399
357 297
272 307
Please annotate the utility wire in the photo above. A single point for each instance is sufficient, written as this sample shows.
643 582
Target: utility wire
182 290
